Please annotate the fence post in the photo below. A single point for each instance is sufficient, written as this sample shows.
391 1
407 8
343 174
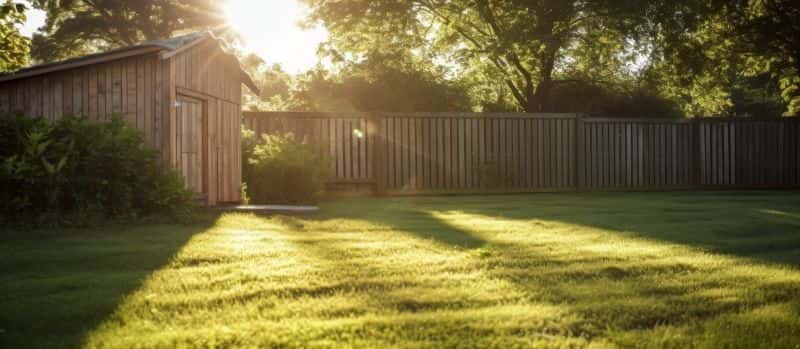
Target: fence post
376 135
579 155
696 164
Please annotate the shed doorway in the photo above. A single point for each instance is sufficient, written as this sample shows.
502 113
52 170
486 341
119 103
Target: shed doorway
191 143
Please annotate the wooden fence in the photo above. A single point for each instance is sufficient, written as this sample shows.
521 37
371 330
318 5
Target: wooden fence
465 152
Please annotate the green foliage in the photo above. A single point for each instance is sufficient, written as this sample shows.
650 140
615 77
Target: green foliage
380 89
735 57
396 84
77 27
274 85
14 46
73 171
624 102
243 194
767 33
282 169
528 48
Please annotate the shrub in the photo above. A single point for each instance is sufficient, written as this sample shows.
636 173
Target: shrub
282 169
74 170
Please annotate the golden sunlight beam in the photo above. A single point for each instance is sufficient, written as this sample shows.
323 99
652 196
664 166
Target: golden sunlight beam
271 29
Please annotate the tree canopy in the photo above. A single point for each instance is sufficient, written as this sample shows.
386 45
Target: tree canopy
627 58
13 45
376 84
75 27
531 47
733 56
716 57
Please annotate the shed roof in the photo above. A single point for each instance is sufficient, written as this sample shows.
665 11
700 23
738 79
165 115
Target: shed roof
167 48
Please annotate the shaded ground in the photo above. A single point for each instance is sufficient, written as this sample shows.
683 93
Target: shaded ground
590 270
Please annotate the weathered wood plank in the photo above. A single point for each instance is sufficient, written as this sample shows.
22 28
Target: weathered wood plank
451 153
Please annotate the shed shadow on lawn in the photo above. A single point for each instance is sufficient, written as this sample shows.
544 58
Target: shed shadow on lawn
91 272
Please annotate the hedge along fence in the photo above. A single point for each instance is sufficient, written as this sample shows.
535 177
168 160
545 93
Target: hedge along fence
466 152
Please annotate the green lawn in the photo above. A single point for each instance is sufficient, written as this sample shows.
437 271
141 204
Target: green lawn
552 270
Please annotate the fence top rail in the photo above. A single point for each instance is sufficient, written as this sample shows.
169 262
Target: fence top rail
770 119
686 120
445 115
320 115
635 120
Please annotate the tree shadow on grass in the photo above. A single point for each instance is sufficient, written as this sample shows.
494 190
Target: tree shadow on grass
764 226
405 215
759 225
57 286
405 284
667 280
626 287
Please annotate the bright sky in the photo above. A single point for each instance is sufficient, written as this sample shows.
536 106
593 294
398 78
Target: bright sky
35 20
270 29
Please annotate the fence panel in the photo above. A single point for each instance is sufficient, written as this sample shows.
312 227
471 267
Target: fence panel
620 154
467 152
748 153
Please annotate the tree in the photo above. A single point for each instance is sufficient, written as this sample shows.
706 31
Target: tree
13 45
768 33
375 89
76 27
273 83
529 46
394 84
726 57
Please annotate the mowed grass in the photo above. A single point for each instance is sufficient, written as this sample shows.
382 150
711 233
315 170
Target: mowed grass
671 270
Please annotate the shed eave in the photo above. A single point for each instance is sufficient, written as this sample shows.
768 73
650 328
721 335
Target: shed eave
80 62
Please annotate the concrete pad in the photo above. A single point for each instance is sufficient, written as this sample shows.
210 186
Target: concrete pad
268 209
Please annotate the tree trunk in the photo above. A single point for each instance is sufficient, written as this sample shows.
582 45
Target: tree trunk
539 101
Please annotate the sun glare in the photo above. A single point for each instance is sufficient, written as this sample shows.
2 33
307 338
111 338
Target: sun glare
271 29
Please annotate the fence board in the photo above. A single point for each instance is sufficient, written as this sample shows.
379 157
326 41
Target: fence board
440 153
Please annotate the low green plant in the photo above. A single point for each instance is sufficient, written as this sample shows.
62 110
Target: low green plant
243 193
74 171
282 169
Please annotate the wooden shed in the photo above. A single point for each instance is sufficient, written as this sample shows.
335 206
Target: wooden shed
184 93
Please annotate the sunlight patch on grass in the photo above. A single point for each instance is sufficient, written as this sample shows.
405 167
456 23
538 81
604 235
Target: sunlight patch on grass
470 272
631 283
345 279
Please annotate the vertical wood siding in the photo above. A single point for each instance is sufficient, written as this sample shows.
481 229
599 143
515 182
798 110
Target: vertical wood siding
206 72
96 92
